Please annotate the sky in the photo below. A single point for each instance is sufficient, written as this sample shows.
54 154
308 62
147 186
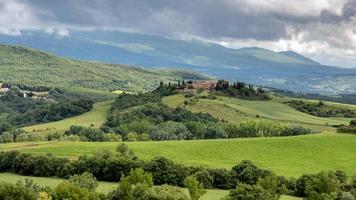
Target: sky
324 30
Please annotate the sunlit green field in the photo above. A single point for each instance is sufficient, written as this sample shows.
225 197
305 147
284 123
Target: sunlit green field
234 110
105 187
96 117
288 156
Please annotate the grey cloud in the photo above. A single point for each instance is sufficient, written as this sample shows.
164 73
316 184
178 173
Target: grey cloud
305 22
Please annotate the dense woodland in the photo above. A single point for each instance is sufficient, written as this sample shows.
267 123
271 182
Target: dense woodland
137 177
322 109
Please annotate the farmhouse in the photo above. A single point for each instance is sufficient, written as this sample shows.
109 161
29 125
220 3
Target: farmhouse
202 84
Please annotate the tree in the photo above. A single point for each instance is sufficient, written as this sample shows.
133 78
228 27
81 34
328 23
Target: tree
195 188
247 172
250 192
353 123
164 192
124 150
9 191
67 190
85 180
324 183
204 178
133 186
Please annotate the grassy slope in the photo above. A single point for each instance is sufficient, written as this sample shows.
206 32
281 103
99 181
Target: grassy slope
97 116
106 187
289 156
28 66
233 110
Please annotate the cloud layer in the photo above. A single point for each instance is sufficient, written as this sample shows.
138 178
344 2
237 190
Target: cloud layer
322 29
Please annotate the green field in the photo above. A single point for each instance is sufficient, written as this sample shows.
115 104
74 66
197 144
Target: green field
288 156
105 187
97 116
234 110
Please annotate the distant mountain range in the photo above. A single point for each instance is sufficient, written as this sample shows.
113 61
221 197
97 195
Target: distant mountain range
21 65
285 70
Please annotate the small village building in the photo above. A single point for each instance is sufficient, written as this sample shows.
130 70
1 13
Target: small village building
202 84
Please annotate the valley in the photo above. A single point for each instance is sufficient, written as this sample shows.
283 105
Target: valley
153 118
177 100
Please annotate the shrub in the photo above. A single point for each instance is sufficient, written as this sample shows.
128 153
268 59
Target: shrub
67 190
295 130
204 178
247 172
164 171
10 191
27 137
170 131
85 180
250 192
194 187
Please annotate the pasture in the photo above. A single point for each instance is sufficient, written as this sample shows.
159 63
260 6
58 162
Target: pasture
288 156
234 110
96 117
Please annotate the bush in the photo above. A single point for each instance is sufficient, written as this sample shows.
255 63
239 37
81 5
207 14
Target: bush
30 137
247 172
250 192
170 131
295 130
164 171
10 191
194 187
204 178
67 190
85 180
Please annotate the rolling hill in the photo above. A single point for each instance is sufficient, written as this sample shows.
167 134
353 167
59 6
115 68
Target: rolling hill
286 70
235 110
28 66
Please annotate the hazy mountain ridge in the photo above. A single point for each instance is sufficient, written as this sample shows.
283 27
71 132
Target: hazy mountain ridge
286 70
28 66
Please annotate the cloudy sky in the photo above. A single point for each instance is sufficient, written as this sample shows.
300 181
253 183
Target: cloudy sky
322 29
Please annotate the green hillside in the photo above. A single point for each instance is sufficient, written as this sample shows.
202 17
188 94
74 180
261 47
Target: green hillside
289 156
96 117
32 67
234 110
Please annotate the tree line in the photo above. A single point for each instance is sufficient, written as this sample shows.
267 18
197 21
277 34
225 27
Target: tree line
245 180
241 90
322 109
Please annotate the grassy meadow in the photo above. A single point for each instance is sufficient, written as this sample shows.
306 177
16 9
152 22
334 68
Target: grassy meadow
96 117
288 156
105 187
234 110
